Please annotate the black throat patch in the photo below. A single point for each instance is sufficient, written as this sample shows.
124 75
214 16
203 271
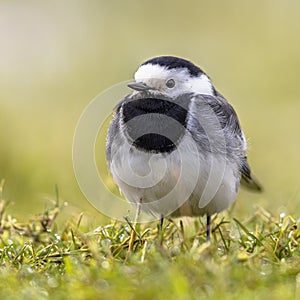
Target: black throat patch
155 124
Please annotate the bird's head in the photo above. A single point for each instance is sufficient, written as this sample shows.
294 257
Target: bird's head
171 76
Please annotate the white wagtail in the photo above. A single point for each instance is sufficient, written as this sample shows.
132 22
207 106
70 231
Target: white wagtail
175 146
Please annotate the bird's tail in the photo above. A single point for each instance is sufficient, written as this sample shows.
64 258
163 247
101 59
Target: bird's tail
252 183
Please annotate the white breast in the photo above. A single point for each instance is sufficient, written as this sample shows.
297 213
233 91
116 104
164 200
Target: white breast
183 182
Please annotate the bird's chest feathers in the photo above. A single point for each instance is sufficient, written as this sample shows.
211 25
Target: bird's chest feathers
144 169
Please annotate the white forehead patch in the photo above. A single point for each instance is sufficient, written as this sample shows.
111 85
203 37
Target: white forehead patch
150 71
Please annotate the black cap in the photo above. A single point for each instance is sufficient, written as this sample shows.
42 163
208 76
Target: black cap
172 62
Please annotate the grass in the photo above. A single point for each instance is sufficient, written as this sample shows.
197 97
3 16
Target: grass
249 259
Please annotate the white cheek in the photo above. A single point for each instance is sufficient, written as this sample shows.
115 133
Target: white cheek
201 85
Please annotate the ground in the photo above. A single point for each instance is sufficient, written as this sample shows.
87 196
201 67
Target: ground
248 259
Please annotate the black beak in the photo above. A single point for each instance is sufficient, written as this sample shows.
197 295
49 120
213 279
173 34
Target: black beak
139 86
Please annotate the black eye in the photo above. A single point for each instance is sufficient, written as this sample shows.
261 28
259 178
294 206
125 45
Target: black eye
170 83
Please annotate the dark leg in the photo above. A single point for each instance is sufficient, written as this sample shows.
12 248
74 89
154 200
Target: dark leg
208 228
161 223
161 235
181 228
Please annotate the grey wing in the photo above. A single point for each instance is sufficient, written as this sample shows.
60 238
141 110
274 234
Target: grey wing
228 119
113 130
226 115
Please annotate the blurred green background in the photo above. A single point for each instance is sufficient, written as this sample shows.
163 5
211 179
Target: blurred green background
56 56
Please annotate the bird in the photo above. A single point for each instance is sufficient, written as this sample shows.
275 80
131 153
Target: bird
175 146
